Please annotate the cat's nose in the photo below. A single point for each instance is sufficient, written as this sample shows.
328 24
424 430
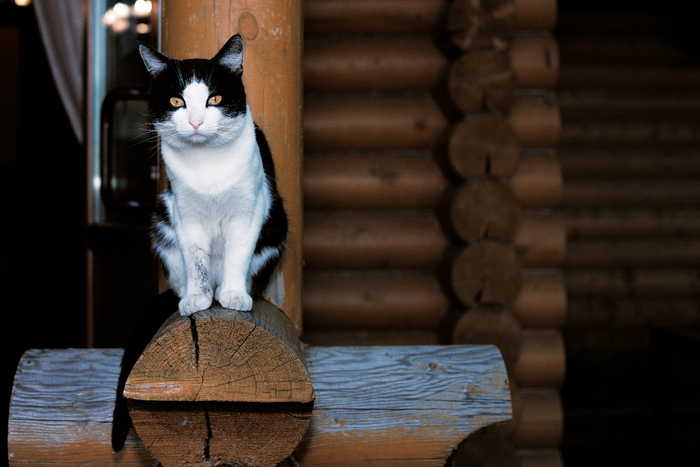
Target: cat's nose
196 124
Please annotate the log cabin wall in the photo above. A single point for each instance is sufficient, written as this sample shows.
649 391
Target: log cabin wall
430 183
630 154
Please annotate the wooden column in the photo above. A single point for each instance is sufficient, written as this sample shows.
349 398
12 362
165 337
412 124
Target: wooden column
271 31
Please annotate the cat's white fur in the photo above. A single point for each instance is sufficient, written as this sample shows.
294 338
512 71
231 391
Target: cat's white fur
218 204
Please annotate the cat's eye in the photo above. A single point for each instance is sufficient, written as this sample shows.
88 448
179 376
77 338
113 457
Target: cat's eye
176 102
214 100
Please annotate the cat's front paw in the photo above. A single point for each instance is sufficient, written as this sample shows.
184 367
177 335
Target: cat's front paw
194 303
234 300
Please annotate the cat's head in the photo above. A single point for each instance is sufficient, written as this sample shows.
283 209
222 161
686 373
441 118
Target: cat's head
197 101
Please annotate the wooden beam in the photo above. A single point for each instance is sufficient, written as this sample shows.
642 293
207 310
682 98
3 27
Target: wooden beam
414 406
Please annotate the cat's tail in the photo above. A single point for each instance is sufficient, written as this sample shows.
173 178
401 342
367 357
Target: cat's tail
143 330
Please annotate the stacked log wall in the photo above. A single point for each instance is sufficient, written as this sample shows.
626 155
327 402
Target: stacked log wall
631 159
412 189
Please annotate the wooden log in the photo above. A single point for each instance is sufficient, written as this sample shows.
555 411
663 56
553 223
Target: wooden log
536 119
489 325
617 134
627 77
632 313
479 145
373 300
363 63
369 16
541 419
412 180
238 380
351 240
62 403
371 338
390 180
641 47
464 25
608 105
632 283
540 457
484 272
382 300
410 62
541 361
542 299
635 222
478 81
271 31
426 434
538 182
479 209
633 253
482 449
657 193
363 241
333 122
629 162
541 240
367 123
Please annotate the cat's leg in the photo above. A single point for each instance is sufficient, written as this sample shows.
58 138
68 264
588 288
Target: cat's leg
233 293
195 246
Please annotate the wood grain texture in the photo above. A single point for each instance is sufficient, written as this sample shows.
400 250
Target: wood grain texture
410 404
443 393
224 356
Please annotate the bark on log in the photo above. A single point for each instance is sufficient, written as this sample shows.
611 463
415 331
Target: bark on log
541 361
633 253
410 62
272 33
382 300
478 81
478 146
632 283
632 223
541 419
480 209
395 422
629 162
370 16
632 313
413 241
366 123
412 180
485 272
657 193
237 379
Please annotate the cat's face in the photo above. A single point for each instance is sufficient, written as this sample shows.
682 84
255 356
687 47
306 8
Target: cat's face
197 101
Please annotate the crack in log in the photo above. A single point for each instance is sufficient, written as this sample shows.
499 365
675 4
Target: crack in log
195 340
206 451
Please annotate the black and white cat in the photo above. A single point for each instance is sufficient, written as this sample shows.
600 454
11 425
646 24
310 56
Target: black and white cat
220 227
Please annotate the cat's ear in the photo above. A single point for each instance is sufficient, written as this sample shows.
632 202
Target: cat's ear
155 61
231 54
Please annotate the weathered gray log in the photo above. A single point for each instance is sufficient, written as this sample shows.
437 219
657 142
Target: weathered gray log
381 406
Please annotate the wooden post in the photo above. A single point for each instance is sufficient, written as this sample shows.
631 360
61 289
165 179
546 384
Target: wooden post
271 31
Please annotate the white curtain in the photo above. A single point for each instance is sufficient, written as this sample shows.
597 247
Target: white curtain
62 28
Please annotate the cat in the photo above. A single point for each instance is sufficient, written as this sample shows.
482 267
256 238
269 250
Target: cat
220 227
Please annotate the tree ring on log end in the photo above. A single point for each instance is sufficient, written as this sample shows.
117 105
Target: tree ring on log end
486 23
482 80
